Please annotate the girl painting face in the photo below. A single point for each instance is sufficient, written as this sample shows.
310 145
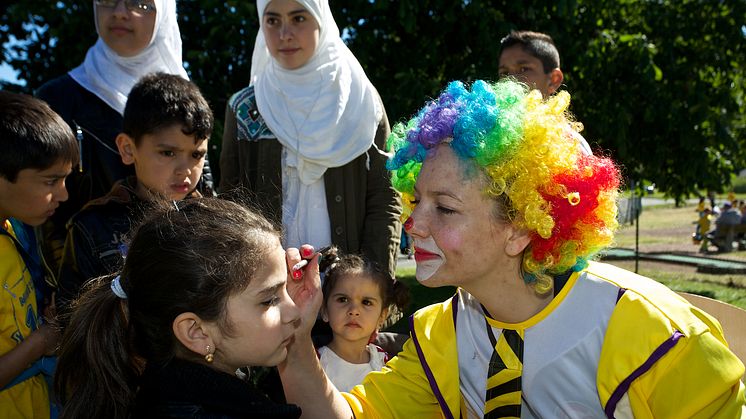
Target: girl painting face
261 318
291 33
126 26
457 238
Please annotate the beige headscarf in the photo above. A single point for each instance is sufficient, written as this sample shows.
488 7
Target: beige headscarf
327 111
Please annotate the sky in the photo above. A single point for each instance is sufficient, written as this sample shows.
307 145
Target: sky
7 73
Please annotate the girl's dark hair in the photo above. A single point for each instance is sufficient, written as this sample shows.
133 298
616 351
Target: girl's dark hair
189 258
334 266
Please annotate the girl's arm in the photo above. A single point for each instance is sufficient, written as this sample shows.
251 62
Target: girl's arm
303 379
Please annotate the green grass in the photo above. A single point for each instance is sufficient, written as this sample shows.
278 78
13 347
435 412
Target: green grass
727 294
665 225
728 288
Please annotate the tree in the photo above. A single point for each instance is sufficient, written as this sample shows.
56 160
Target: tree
662 91
658 84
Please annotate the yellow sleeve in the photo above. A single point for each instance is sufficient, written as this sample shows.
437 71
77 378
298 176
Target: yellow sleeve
699 378
400 390
668 359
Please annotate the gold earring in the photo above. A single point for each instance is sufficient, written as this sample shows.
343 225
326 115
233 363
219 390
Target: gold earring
209 357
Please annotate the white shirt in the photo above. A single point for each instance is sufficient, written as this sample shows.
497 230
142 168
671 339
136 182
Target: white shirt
345 375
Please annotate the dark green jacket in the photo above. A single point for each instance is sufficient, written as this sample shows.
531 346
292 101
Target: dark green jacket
363 207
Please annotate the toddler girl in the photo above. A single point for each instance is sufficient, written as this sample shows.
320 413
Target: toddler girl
358 299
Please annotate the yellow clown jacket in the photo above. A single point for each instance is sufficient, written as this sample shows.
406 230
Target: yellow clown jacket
610 344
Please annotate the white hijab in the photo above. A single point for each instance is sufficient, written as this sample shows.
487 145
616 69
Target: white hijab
327 111
111 77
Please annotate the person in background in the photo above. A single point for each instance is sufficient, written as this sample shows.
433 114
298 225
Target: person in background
701 205
201 294
304 139
406 245
39 151
532 58
135 38
166 127
358 299
712 197
503 204
728 217
700 232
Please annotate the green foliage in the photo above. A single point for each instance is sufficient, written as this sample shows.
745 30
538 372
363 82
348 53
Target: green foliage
662 97
50 38
659 85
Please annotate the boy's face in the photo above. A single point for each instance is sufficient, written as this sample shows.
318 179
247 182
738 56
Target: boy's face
35 194
516 62
167 162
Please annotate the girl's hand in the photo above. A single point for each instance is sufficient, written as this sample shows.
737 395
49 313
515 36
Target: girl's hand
305 288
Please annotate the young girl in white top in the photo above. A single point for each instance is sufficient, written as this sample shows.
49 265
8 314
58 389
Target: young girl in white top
358 298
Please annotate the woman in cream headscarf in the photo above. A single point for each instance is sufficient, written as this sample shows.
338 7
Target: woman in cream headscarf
303 139
136 37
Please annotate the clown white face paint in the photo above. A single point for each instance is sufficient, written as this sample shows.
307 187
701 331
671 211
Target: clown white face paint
429 258
458 241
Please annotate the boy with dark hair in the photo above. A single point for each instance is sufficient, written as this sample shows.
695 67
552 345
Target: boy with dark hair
38 153
532 58
167 123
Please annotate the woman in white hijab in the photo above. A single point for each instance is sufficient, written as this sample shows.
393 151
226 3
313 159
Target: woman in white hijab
303 139
136 37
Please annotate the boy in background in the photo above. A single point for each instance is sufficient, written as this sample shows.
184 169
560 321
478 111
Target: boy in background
532 58
167 123
38 153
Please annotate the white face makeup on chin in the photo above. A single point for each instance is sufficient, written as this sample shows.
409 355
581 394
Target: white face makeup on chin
429 258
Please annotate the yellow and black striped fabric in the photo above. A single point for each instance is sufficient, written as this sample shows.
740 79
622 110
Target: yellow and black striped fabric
503 397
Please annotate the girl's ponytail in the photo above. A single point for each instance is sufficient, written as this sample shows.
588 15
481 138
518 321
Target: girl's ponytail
95 361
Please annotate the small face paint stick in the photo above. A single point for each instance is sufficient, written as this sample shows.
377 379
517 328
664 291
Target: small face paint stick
297 270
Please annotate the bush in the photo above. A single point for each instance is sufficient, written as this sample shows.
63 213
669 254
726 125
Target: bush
739 184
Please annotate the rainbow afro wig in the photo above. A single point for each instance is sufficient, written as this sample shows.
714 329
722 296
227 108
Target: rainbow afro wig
528 149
